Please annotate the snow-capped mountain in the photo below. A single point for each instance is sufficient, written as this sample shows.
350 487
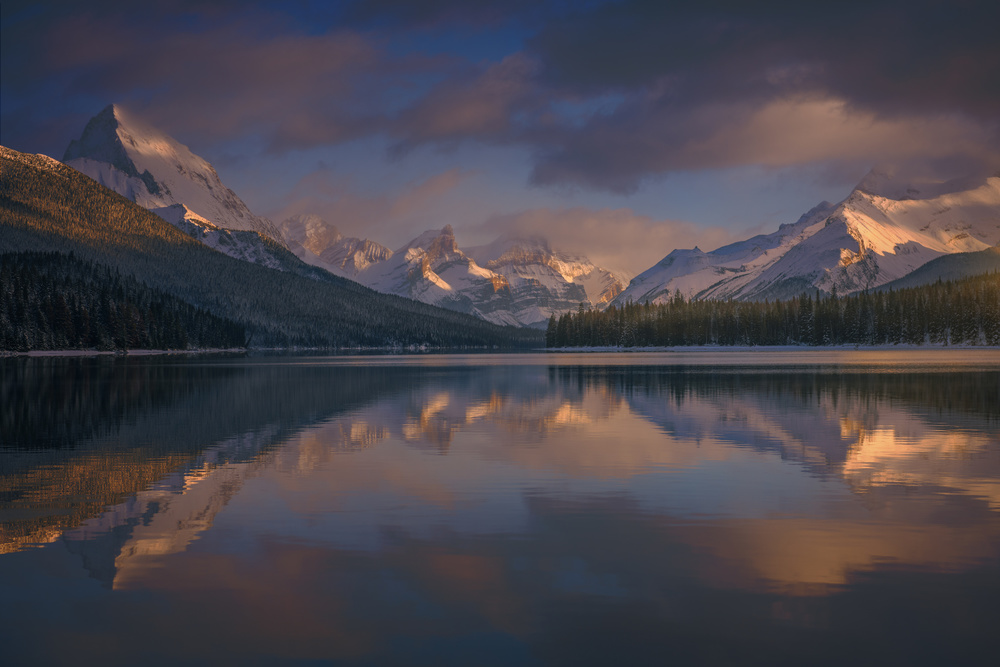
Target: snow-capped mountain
319 243
310 232
246 245
884 230
545 280
157 172
519 281
432 269
510 281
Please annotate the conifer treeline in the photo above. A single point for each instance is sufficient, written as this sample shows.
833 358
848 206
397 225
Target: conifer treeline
47 206
950 313
52 301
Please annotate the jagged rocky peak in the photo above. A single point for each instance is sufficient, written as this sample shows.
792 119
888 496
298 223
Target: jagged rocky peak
320 243
154 170
438 238
445 243
102 141
512 248
353 255
116 137
311 232
892 223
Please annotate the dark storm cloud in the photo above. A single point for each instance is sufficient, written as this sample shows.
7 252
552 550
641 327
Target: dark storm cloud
408 12
691 73
889 55
208 77
604 95
483 104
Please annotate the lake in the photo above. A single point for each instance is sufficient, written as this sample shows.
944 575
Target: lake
682 507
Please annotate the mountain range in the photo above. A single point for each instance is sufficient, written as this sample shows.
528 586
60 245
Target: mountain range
890 231
512 281
884 231
48 207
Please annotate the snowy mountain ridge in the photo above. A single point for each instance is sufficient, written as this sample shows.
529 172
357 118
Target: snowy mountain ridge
156 172
431 268
511 281
245 245
864 242
318 243
518 281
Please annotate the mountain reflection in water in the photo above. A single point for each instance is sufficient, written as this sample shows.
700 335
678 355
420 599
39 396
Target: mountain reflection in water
544 513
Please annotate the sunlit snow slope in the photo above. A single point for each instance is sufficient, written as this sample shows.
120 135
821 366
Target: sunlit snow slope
156 172
883 231
513 280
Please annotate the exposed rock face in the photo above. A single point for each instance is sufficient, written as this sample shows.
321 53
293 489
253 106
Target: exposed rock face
354 255
310 232
510 281
318 242
245 245
431 268
544 282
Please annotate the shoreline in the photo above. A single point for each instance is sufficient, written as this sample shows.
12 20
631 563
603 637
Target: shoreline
413 349
680 349
771 348
116 353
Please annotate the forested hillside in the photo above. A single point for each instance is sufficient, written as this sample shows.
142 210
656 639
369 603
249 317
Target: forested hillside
51 301
47 206
964 312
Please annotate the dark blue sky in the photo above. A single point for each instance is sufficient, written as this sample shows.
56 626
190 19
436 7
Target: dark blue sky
621 129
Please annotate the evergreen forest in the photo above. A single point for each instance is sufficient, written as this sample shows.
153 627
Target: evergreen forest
51 301
46 206
963 312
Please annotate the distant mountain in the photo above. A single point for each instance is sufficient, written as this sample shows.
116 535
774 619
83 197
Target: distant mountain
46 206
319 243
157 172
248 246
431 268
513 280
951 267
517 281
524 284
883 231
547 280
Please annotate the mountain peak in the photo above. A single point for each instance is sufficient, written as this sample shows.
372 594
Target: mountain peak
101 142
445 235
444 244
895 221
512 246
155 170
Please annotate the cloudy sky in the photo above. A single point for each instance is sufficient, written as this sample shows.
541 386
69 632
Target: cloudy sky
621 129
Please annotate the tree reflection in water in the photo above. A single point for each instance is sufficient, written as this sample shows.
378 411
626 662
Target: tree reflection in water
539 513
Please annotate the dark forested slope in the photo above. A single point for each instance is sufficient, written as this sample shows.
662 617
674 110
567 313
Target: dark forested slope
52 301
47 206
964 312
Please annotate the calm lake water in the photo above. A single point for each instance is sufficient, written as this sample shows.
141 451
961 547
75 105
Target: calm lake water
697 507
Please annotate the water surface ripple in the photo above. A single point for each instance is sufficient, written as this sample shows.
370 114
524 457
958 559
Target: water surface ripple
747 507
